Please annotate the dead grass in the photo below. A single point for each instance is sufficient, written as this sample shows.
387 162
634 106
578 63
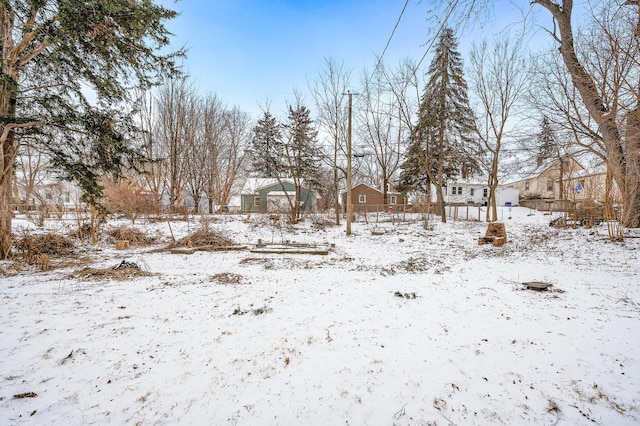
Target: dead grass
134 236
120 274
25 395
203 237
49 244
227 278
38 250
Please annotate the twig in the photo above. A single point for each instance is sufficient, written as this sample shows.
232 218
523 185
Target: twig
401 412
445 417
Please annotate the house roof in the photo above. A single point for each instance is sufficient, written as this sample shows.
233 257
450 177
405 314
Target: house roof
600 169
281 193
251 185
374 188
528 173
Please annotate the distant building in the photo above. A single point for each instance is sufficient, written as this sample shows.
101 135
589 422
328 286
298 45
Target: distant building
366 198
266 195
548 180
473 192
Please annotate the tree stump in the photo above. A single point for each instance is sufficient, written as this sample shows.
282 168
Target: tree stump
122 244
496 234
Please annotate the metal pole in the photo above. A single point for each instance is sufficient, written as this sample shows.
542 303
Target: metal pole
349 204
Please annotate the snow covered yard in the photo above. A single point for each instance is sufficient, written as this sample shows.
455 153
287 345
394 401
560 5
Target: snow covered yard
413 326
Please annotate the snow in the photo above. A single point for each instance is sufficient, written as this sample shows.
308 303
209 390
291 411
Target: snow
336 339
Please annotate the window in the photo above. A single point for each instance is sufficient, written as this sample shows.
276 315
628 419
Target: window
256 200
549 185
67 197
472 192
454 190
393 199
485 192
388 187
362 198
459 190
526 186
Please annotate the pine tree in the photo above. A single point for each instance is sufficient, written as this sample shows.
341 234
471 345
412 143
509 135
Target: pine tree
443 143
267 149
53 54
288 151
546 142
302 154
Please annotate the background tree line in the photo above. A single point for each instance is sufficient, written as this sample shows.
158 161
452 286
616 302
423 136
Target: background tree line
482 115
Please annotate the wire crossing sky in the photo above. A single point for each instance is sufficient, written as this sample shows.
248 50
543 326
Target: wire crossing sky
254 53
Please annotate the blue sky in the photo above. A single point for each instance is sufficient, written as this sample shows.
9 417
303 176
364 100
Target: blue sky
250 52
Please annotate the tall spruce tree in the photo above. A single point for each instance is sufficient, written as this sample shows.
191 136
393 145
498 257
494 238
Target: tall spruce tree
302 154
288 151
267 148
546 142
66 75
442 145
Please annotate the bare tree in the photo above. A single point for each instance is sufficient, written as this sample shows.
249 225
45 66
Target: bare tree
498 79
153 178
31 173
172 127
213 139
555 98
195 154
622 150
230 158
328 93
381 128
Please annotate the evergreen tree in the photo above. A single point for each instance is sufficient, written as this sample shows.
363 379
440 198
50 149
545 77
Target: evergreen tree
53 54
443 146
288 151
546 142
302 152
302 155
267 149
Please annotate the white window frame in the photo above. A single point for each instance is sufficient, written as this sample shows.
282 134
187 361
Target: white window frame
362 198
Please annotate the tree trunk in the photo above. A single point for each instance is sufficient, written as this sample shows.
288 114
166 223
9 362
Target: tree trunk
336 190
5 216
561 180
492 201
625 164
8 93
631 217
441 206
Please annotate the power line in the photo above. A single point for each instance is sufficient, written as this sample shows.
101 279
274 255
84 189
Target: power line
393 32
440 28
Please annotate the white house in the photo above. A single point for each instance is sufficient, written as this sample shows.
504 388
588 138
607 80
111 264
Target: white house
461 192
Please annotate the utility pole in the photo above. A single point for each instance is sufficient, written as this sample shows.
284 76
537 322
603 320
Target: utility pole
349 184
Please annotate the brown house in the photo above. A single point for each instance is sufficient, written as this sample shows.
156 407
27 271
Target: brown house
366 198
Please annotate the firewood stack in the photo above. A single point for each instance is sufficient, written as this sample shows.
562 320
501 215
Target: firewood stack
496 234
